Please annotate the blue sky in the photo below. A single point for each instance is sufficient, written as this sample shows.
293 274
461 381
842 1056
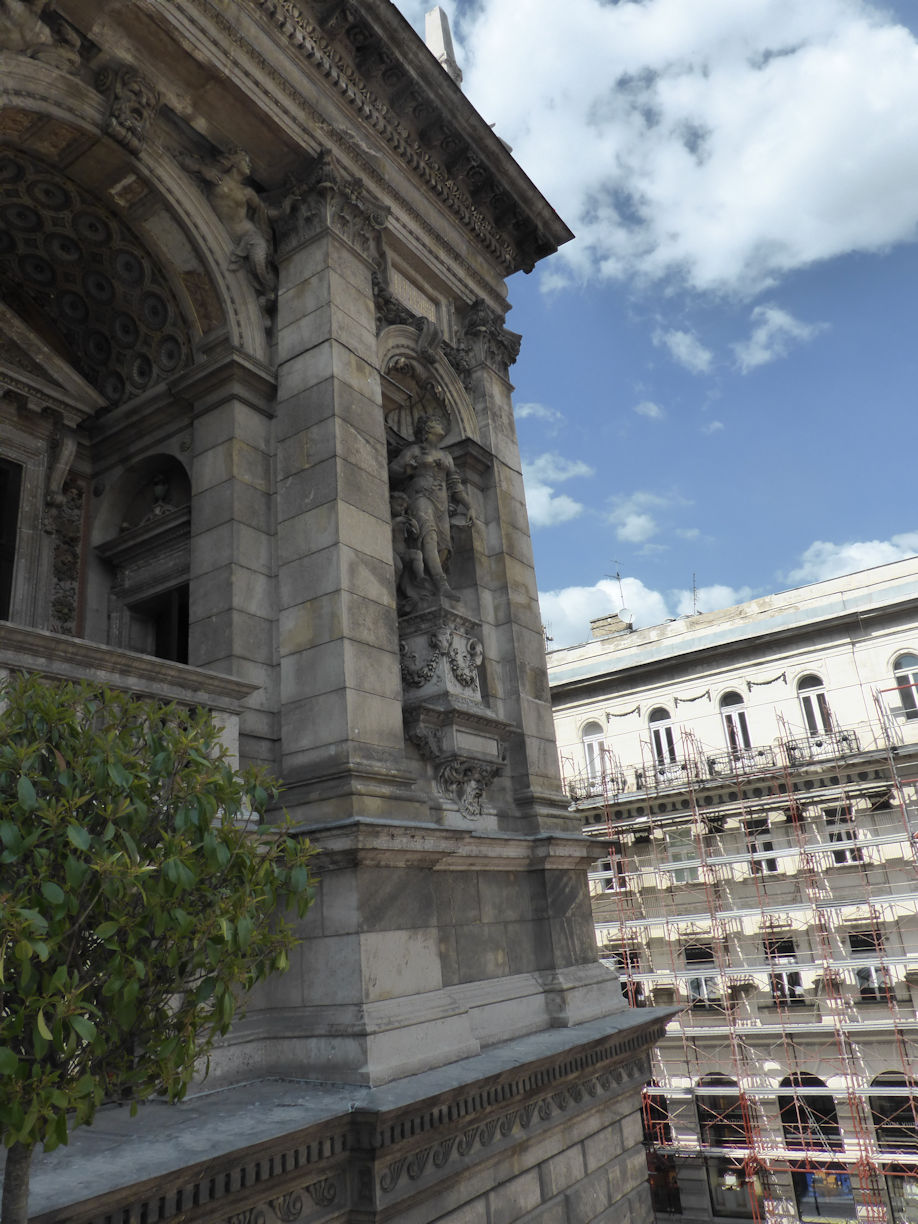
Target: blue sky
719 376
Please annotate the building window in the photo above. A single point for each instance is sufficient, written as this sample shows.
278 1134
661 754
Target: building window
906 674
736 728
10 490
734 1192
592 736
664 1184
704 986
720 1113
786 983
874 984
761 845
661 735
681 847
611 871
823 1195
815 705
808 1116
894 1105
842 834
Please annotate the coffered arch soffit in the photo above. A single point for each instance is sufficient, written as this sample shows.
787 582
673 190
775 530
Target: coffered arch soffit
409 360
148 203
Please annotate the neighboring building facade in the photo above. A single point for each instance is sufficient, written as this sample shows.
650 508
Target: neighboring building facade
753 775
257 452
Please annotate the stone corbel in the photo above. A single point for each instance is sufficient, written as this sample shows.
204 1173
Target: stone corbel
465 748
327 199
489 341
62 447
132 105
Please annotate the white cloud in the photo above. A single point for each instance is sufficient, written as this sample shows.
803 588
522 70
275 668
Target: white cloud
540 475
826 560
713 427
718 142
635 516
539 412
647 408
686 349
567 612
773 332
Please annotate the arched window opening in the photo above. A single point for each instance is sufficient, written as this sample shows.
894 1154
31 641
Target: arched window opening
815 705
592 737
662 738
824 1193
721 1119
894 1105
808 1114
906 675
736 727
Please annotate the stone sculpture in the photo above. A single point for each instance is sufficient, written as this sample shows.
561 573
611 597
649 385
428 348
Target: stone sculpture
133 103
23 30
426 474
409 561
244 215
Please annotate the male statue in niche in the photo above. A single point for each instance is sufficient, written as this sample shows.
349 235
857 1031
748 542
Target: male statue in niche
425 473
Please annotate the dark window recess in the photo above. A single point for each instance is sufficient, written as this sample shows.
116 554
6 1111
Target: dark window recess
10 490
164 619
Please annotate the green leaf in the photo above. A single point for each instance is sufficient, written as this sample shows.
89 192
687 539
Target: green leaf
42 1025
84 1026
119 775
25 792
9 1063
79 837
105 930
52 892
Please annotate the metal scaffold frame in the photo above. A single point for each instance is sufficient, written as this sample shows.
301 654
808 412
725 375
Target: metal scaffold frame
771 1130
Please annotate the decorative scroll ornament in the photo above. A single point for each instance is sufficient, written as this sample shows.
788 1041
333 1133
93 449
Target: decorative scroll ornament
751 684
288 1207
488 339
697 697
623 713
323 1193
390 311
24 30
133 103
463 663
465 782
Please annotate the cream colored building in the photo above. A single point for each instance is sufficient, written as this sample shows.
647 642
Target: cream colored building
753 775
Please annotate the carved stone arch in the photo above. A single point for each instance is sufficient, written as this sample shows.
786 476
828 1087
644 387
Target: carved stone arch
60 119
410 360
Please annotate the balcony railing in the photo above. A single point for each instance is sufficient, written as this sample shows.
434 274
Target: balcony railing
740 760
818 747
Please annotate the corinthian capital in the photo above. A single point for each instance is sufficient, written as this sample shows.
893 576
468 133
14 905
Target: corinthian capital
326 199
489 341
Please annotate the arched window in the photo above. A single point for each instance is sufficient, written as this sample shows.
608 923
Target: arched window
894 1105
721 1120
592 736
815 705
661 735
808 1114
736 728
906 672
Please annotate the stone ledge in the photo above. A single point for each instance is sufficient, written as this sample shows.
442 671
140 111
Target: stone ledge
219 1153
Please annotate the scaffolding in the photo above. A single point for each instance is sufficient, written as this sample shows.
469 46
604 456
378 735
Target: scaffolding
772 895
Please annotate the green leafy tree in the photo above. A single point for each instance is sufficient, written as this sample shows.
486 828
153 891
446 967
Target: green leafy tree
140 898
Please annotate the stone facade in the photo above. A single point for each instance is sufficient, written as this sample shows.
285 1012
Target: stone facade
256 424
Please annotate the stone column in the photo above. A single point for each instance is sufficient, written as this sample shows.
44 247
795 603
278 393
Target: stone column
510 574
232 613
342 735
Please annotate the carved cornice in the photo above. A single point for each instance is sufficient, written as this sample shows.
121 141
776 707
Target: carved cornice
433 130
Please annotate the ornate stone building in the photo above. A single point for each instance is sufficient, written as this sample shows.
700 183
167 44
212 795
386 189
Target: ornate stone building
257 451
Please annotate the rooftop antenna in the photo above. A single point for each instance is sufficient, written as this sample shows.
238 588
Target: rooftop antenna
618 577
694 596
440 42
